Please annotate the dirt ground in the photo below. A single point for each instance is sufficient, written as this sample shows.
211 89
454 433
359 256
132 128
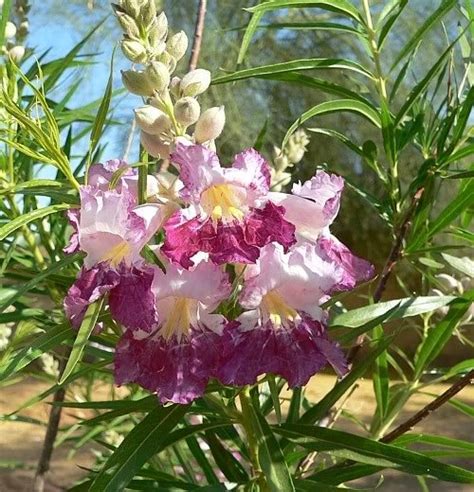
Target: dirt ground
21 442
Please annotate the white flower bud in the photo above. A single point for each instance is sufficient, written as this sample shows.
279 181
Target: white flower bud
155 146
210 124
158 75
161 26
195 82
151 120
17 53
128 24
168 60
148 13
177 45
10 30
174 86
137 82
132 7
187 111
133 50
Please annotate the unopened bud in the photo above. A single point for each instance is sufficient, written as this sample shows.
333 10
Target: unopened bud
134 50
148 13
174 86
10 30
131 7
177 45
128 24
448 282
187 111
155 146
168 60
152 120
210 124
195 82
158 75
137 82
17 53
23 29
159 28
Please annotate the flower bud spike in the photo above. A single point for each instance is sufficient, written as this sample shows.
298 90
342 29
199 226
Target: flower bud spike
134 50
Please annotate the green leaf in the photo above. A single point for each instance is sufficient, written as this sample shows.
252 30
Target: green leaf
433 19
42 343
101 117
137 448
405 308
323 26
248 36
38 278
437 336
293 66
339 6
6 7
380 377
339 105
385 30
313 485
270 455
87 326
375 453
464 265
319 410
24 219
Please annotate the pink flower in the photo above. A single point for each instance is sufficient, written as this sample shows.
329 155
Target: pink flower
112 231
228 215
283 330
177 359
312 206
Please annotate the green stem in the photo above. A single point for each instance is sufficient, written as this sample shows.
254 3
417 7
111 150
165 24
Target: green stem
142 177
246 420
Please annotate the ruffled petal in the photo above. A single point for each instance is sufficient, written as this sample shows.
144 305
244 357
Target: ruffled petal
132 302
177 371
355 269
198 167
100 176
90 285
294 353
73 216
256 171
323 189
267 225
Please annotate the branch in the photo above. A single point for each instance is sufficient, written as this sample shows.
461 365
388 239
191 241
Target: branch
431 407
51 432
392 260
196 49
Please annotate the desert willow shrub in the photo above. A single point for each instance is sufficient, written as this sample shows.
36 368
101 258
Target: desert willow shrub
212 293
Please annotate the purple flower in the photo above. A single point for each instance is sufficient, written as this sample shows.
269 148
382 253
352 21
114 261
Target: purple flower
177 359
283 330
228 214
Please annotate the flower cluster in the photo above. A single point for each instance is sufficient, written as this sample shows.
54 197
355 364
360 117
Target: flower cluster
243 271
16 31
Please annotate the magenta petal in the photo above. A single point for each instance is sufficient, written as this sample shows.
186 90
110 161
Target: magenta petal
177 371
294 353
132 302
73 217
90 286
267 225
181 239
355 269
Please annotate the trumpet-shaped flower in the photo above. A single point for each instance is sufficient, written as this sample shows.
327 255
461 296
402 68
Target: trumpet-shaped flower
283 330
177 359
229 215
313 205
112 231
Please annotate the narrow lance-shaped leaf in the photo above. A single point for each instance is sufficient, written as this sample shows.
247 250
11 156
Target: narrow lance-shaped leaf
85 330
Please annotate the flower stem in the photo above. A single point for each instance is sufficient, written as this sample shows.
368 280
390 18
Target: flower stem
247 424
